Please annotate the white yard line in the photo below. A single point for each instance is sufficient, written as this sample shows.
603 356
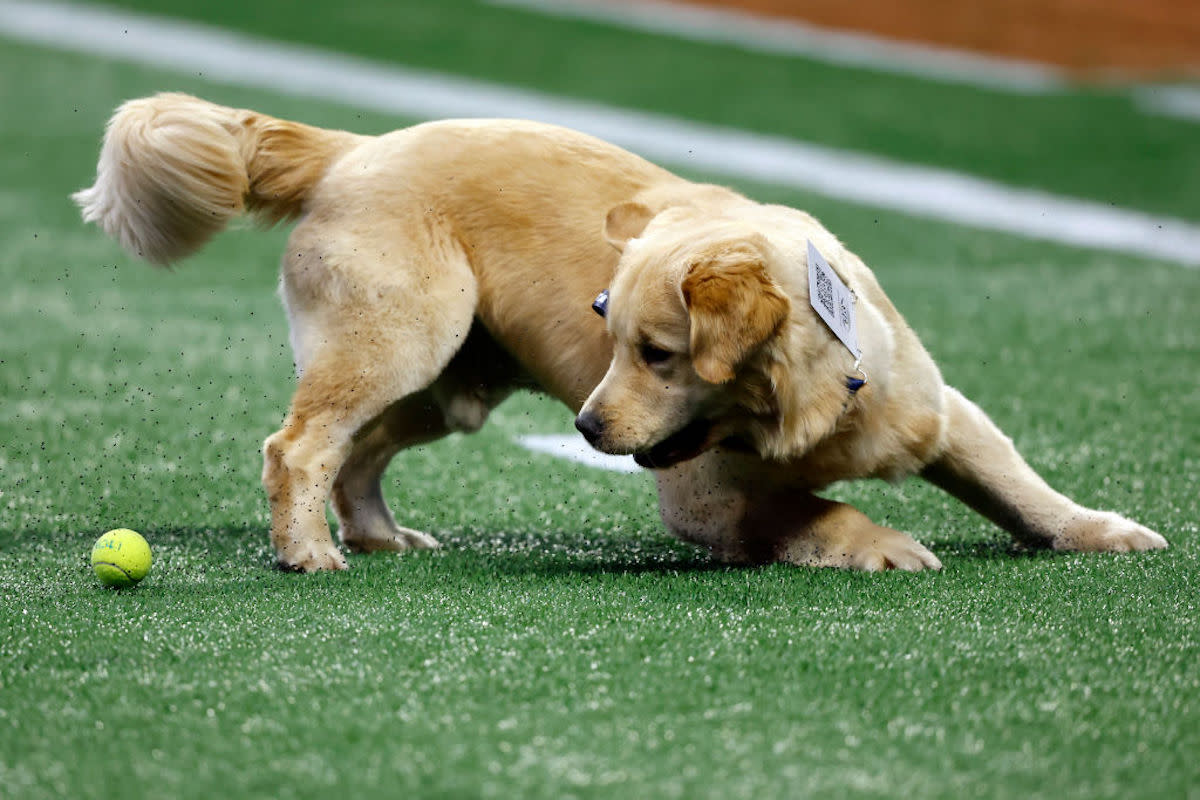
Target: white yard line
1182 102
764 34
758 33
574 448
728 153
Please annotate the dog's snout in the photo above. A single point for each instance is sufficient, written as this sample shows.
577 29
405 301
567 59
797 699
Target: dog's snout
591 426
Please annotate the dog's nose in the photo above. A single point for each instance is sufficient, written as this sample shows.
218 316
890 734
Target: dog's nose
591 426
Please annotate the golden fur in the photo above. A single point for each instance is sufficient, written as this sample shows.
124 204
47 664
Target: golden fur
436 268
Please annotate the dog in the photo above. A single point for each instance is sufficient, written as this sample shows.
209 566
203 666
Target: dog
434 270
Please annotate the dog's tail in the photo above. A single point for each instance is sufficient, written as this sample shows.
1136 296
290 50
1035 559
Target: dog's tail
175 169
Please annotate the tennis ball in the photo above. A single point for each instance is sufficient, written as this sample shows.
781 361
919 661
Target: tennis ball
121 558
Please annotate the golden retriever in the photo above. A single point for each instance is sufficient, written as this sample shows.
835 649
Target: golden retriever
436 269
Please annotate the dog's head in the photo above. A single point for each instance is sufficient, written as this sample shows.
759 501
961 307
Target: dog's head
694 312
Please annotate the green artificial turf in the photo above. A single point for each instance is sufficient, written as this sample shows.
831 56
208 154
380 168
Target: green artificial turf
560 644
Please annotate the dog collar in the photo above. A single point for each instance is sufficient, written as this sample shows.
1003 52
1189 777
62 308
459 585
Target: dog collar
600 304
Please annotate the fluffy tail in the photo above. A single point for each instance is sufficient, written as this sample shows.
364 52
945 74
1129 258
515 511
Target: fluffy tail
175 169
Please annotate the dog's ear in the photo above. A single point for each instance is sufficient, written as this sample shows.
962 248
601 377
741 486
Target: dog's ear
734 308
626 221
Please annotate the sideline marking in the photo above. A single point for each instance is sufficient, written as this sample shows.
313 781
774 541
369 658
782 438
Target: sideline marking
763 33
248 61
767 34
1181 102
574 448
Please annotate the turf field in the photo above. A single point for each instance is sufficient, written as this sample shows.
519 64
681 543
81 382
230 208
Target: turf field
560 643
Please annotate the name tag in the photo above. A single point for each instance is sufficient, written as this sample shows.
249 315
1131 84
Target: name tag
832 300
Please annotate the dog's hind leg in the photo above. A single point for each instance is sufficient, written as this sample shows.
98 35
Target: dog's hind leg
366 335
980 466
477 379
366 524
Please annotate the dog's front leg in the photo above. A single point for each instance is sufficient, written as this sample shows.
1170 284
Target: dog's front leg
813 531
980 466
739 508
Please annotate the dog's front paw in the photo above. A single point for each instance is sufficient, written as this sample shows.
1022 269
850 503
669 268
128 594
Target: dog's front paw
892 550
393 539
311 557
871 549
1105 532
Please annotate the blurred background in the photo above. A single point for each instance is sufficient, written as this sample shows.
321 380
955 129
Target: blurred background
1093 39
1087 98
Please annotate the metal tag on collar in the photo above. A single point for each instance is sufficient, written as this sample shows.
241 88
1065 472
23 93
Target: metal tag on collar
600 304
853 383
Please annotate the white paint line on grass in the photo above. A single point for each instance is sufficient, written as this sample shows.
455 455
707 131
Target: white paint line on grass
728 153
763 34
1181 102
574 448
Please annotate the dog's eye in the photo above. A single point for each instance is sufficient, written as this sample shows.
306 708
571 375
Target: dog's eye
655 355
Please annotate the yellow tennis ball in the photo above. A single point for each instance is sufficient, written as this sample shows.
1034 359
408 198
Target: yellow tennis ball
121 558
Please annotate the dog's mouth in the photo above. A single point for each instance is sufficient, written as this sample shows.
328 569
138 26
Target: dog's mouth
680 446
